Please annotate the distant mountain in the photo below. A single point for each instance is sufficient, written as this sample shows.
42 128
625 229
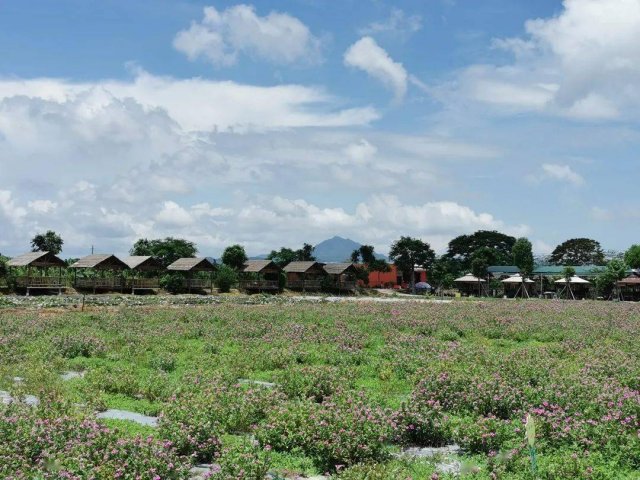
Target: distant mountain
337 249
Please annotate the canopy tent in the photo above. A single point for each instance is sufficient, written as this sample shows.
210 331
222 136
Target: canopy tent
470 279
520 281
575 280
517 278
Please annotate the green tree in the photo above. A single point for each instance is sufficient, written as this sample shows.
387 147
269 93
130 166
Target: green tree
235 257
305 254
523 256
407 253
632 256
463 247
226 278
444 271
606 280
283 256
355 256
578 251
47 242
3 265
166 250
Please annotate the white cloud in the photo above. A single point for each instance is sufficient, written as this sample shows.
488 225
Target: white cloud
398 23
368 56
562 173
9 209
42 206
222 36
601 214
173 215
581 64
361 151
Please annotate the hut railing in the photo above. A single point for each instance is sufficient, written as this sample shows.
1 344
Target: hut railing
197 283
111 282
144 283
308 284
40 281
259 284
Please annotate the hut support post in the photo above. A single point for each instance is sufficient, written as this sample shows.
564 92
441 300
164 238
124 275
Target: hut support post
211 282
28 278
59 280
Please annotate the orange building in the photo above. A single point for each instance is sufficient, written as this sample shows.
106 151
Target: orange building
394 278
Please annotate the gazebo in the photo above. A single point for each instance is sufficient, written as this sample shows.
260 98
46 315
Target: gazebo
518 283
629 288
470 279
41 261
305 275
260 276
145 266
575 285
189 266
102 263
342 275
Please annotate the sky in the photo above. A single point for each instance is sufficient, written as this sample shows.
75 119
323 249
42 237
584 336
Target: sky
274 123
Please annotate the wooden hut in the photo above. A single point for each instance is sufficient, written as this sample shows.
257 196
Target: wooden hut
106 272
468 284
517 285
305 276
145 271
629 288
343 276
189 266
575 288
260 276
39 280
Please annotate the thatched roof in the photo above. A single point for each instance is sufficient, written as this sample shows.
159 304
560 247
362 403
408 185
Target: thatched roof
100 261
36 259
339 268
192 265
257 266
517 279
143 263
468 278
574 280
633 280
302 267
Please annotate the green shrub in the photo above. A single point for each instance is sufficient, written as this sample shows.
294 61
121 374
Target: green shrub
242 461
226 278
172 282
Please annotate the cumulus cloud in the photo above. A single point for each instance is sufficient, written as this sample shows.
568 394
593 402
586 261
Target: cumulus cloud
221 36
397 24
368 56
580 63
562 173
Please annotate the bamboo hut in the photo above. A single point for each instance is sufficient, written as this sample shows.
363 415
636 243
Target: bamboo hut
305 276
105 272
189 266
343 276
629 288
260 276
145 271
468 283
39 280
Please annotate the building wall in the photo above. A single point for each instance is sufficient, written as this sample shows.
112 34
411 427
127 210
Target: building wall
393 279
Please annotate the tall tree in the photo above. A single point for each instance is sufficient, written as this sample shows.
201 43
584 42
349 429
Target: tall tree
305 254
407 253
47 242
578 251
444 271
606 280
166 250
283 256
523 256
355 256
234 256
462 247
632 256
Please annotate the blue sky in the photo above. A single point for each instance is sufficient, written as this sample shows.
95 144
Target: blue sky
272 123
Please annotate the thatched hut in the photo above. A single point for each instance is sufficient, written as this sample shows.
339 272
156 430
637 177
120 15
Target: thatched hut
260 276
145 271
305 276
629 288
197 266
104 272
38 280
576 287
469 284
343 276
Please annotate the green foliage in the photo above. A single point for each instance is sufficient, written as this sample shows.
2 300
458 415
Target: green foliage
286 255
172 282
632 256
606 280
444 271
481 260
49 241
226 278
407 253
463 247
234 256
242 461
523 256
166 250
568 272
578 251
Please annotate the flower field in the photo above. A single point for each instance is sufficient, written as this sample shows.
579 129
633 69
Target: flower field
284 389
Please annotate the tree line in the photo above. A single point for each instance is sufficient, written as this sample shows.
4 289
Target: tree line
472 253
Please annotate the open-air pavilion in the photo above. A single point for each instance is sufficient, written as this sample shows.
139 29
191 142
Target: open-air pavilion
629 288
260 276
35 268
470 284
104 272
343 276
197 266
576 287
146 271
517 285
305 276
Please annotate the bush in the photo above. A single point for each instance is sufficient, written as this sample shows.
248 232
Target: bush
242 461
226 277
78 345
314 382
172 282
